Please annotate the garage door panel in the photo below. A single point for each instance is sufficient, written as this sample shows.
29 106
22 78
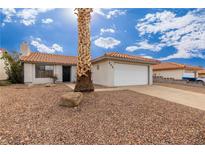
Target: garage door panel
126 74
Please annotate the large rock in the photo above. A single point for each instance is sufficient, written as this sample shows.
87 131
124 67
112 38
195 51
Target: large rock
71 99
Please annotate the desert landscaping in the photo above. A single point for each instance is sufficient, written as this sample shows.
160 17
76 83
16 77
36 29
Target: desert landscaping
32 115
67 95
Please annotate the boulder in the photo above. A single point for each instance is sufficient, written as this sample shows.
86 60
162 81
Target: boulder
71 99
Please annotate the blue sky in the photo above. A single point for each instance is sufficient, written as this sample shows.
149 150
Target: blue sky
176 35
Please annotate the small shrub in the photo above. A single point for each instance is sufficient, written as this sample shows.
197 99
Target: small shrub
54 77
13 67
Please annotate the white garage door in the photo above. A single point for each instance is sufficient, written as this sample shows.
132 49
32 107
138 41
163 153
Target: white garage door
126 74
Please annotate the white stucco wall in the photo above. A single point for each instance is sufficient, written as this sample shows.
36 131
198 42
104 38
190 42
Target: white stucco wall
28 73
150 75
58 72
73 73
104 75
176 74
30 77
3 75
108 70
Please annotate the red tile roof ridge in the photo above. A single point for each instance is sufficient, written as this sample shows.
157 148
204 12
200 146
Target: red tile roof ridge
126 56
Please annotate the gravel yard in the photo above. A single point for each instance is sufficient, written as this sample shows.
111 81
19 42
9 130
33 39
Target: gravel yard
183 87
32 115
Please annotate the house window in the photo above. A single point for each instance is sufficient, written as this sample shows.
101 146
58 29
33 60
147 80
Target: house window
44 71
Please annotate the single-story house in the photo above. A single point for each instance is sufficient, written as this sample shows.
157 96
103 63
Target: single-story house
40 67
116 69
175 70
111 69
201 73
3 75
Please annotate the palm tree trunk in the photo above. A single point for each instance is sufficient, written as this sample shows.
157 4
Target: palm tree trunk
84 82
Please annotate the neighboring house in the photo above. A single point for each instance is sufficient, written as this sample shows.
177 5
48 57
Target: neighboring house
39 67
111 69
3 75
175 70
201 73
115 69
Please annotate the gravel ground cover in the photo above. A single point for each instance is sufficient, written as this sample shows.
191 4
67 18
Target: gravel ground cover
183 87
100 87
32 115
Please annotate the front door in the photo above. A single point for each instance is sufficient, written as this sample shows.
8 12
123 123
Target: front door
66 73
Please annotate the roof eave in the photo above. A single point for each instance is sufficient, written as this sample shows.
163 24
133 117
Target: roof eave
123 59
54 63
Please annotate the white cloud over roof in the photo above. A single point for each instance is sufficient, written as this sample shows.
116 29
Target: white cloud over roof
185 33
106 42
41 47
146 46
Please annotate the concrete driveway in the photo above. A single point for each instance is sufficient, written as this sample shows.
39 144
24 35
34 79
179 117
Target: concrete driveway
188 98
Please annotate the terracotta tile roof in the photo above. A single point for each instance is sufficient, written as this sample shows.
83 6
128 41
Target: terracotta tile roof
201 71
172 66
126 57
37 57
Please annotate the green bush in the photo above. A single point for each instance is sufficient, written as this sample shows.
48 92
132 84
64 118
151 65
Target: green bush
13 67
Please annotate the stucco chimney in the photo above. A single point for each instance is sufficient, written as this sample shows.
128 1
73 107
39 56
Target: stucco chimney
24 49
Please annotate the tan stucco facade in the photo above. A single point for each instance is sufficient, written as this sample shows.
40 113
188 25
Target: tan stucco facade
201 75
175 74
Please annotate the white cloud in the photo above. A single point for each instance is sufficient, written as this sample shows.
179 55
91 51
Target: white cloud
108 13
47 21
25 16
28 16
41 47
108 30
115 13
98 11
131 48
146 46
3 24
185 33
8 13
106 42
57 47
38 39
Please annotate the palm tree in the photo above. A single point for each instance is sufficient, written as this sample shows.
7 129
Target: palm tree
84 82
